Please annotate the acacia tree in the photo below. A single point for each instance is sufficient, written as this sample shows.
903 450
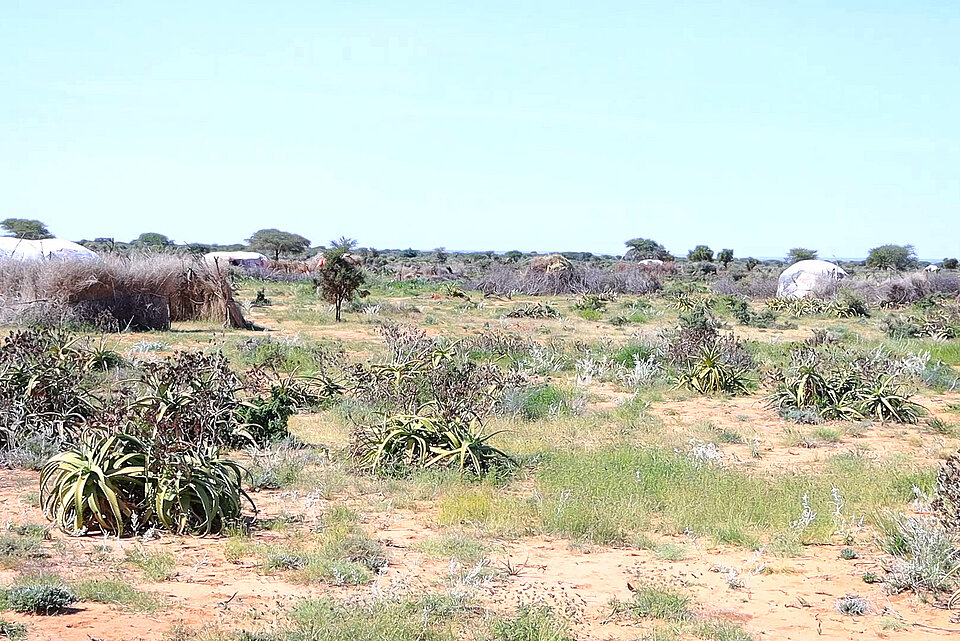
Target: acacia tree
797 254
725 256
645 248
340 276
26 229
700 253
276 242
152 239
897 257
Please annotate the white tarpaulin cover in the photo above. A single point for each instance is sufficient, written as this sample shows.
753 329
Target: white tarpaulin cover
19 249
237 259
807 278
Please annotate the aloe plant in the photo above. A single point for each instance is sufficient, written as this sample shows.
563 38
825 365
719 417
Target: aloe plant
426 439
98 484
712 375
199 494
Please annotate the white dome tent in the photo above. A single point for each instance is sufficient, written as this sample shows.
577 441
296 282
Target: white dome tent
808 278
49 248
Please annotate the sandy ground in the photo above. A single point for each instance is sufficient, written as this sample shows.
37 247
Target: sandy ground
783 599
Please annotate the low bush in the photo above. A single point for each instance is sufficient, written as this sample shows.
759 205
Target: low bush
937 323
925 555
40 599
533 310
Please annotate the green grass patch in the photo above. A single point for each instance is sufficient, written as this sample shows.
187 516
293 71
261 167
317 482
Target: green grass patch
608 495
156 566
604 494
117 593
22 544
655 602
428 618
670 552
341 554
531 623
461 547
946 351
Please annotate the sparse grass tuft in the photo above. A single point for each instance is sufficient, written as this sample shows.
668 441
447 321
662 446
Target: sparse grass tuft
117 593
156 566
853 605
460 547
531 623
654 602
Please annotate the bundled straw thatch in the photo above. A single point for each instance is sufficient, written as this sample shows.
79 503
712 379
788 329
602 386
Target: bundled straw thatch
140 292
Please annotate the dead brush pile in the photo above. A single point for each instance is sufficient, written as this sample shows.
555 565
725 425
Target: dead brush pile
566 278
115 293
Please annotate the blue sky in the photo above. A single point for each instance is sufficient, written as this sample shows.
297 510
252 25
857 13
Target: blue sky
498 125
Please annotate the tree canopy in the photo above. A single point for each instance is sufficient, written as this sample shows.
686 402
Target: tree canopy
153 239
645 248
26 229
898 257
340 275
797 254
700 253
277 243
725 256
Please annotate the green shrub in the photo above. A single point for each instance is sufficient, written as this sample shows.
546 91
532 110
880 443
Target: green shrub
13 631
843 394
40 599
542 401
265 420
199 493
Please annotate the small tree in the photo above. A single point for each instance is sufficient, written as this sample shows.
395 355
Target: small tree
950 263
441 254
644 249
26 229
752 263
513 256
152 239
797 254
340 276
898 257
276 242
725 256
700 254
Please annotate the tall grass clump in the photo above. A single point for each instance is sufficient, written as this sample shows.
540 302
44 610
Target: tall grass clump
116 293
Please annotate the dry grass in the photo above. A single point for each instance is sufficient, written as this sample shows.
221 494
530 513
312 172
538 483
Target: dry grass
145 292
